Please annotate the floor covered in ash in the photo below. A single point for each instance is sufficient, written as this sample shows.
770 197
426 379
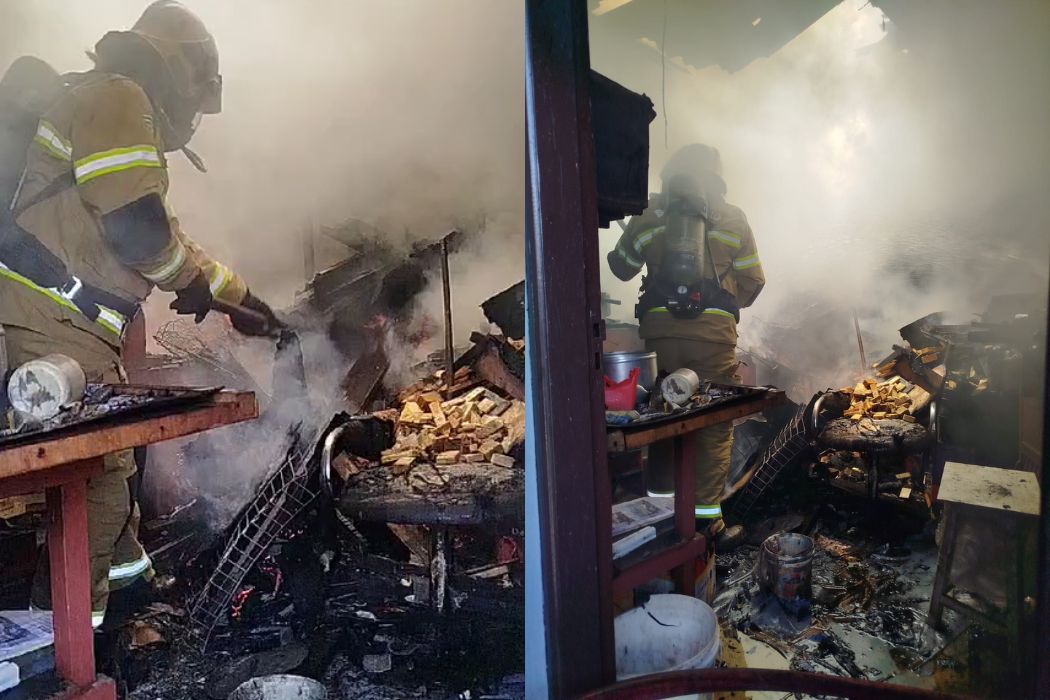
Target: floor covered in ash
872 578
367 641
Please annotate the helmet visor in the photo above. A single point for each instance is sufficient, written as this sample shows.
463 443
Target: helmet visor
211 95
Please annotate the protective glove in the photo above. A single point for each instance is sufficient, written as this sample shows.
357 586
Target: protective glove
193 299
250 326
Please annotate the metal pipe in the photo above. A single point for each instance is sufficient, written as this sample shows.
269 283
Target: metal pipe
327 452
447 289
675 683
860 343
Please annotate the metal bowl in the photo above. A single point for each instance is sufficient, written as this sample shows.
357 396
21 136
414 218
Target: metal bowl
618 366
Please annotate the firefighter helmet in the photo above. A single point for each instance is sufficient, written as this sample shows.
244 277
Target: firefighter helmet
693 159
188 51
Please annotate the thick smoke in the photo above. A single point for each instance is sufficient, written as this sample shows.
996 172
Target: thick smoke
407 115
885 173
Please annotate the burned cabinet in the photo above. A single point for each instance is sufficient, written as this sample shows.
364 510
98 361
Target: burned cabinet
620 122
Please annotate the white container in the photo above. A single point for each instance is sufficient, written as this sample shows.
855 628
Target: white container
42 387
687 639
3 352
279 687
679 386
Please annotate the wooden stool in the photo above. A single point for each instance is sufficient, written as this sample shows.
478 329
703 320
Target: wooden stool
1005 500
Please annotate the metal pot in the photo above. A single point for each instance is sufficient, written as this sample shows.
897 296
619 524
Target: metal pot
618 366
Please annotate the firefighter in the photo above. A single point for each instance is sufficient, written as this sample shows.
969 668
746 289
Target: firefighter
702 267
94 234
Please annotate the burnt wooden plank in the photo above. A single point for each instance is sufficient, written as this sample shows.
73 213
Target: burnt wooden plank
365 378
619 440
224 408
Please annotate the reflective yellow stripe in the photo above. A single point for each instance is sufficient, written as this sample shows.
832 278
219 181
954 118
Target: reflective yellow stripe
114 161
107 318
745 263
48 137
628 258
645 238
709 511
730 239
130 569
713 312
168 269
220 278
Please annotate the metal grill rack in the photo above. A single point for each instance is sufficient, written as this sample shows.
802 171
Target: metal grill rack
785 449
286 493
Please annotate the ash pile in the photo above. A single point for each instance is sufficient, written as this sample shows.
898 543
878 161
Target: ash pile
381 551
852 478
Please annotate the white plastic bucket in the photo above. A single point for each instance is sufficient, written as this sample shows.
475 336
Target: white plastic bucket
669 633
279 687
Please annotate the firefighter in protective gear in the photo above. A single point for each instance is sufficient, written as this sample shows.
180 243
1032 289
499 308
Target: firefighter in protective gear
95 234
701 333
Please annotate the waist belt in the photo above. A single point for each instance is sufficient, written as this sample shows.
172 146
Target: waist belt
26 260
80 297
710 298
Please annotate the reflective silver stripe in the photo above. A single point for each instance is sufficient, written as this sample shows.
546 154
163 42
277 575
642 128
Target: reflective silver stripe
131 569
220 277
719 312
659 494
645 238
110 319
628 258
115 160
744 263
170 268
714 511
96 616
47 136
730 239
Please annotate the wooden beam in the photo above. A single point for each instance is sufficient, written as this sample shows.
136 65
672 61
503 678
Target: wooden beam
564 300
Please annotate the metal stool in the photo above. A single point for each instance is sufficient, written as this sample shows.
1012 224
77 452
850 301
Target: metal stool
1005 500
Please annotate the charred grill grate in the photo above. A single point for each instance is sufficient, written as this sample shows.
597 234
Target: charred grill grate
286 493
785 449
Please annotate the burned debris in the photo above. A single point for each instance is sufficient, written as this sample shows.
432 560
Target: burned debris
366 538
857 483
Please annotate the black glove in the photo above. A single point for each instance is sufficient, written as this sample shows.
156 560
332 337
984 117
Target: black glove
194 299
249 326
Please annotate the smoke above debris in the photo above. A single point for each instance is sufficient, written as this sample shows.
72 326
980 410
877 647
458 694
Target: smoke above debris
886 169
406 115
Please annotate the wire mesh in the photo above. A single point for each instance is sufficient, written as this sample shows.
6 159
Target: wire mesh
785 449
286 493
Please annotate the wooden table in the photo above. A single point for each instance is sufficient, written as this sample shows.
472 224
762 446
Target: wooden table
60 465
679 558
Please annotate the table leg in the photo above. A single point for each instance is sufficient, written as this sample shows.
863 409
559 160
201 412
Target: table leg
685 507
942 578
71 582
685 486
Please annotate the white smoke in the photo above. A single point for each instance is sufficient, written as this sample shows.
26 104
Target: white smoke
888 174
